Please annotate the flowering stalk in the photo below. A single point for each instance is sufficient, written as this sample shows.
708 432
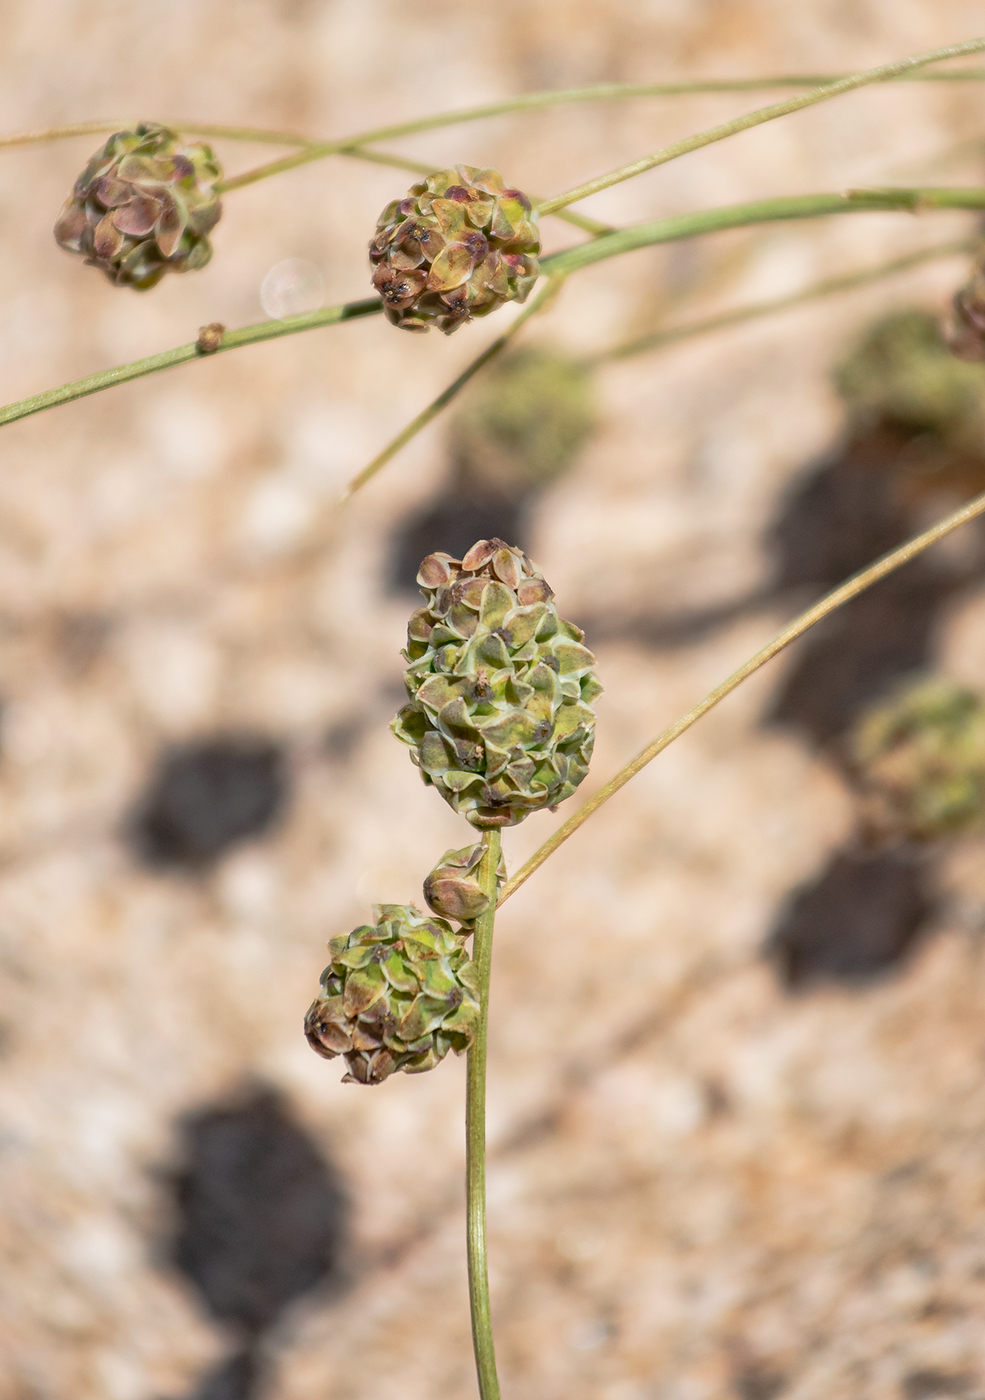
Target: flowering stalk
647 234
763 114
830 603
475 1132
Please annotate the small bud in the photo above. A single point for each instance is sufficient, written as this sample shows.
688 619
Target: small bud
143 206
500 719
210 337
453 890
396 996
459 245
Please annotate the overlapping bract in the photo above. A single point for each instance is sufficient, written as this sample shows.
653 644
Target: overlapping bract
500 717
453 889
459 245
920 758
143 206
396 996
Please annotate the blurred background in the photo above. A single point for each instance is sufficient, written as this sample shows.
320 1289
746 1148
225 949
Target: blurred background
737 1115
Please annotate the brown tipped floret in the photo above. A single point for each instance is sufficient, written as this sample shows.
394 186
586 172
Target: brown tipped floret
143 206
396 996
460 244
500 718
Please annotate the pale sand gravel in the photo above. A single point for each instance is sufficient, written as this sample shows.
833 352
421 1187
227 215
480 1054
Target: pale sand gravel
696 1184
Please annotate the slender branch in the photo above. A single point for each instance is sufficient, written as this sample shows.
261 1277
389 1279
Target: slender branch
760 211
763 114
231 340
599 92
830 603
611 245
475 1134
545 295
827 287
253 134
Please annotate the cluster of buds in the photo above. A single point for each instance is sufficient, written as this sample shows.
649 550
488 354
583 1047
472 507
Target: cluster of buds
920 761
144 205
459 245
500 718
397 995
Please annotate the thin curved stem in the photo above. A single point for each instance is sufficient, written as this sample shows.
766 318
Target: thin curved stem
828 286
255 135
231 340
571 260
830 603
598 92
475 1134
760 211
544 296
764 114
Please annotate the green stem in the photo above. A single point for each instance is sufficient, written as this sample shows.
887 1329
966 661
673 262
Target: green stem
760 211
599 92
763 114
611 245
257 135
475 1134
828 286
231 340
830 603
546 294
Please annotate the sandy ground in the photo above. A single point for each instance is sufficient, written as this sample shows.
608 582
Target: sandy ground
700 1186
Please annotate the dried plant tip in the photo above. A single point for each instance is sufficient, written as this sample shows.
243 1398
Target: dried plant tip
396 996
143 206
210 337
920 761
453 889
500 718
459 245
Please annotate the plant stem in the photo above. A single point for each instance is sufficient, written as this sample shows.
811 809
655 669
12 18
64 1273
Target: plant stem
760 211
257 135
610 245
231 340
545 295
830 603
658 340
475 1134
599 92
763 114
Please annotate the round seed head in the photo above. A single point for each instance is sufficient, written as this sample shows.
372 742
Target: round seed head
459 245
904 374
920 760
397 995
524 423
500 718
143 206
